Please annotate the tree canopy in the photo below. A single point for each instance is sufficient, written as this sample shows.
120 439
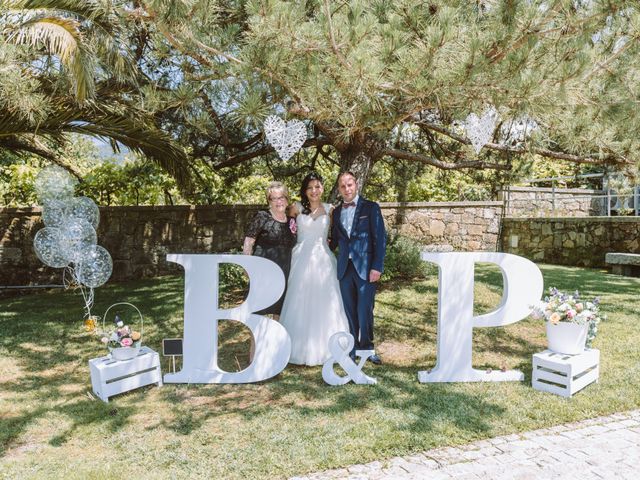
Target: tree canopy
67 67
376 82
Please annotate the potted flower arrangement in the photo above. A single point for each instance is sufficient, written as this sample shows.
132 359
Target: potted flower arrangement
122 341
571 322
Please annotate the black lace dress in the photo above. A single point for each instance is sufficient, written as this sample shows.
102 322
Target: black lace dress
274 240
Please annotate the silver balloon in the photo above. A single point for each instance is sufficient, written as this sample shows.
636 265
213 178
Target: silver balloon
95 269
78 239
54 212
48 246
54 183
83 208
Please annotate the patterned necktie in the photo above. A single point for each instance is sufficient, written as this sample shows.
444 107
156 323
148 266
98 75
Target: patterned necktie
349 204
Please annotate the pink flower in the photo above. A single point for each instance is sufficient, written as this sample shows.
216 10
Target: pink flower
104 340
579 307
571 313
293 226
126 342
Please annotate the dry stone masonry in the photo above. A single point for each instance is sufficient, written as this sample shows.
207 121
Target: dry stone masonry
138 238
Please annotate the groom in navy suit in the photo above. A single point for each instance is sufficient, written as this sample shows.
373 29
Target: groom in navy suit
358 232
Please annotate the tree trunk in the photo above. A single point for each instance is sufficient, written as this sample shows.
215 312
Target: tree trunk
357 160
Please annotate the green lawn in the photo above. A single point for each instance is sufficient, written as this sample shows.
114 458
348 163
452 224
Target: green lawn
51 426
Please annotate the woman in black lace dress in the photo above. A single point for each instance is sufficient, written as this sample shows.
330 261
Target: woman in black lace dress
270 235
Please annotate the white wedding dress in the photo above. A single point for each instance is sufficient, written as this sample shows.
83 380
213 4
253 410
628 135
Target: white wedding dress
312 311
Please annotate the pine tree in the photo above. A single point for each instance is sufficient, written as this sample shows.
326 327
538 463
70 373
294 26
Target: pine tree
394 79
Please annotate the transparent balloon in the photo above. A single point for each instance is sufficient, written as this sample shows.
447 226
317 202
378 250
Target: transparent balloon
95 269
54 212
78 239
83 208
54 183
48 246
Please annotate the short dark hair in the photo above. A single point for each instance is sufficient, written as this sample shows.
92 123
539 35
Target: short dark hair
347 172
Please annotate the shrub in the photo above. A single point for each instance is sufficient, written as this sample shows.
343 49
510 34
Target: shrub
403 258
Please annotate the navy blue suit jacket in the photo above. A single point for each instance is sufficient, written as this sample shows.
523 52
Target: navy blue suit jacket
367 243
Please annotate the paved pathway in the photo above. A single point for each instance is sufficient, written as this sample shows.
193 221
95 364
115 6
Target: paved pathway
604 447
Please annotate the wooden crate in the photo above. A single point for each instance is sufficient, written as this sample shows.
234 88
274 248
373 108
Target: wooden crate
565 374
110 377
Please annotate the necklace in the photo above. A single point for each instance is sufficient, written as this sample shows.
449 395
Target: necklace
280 218
313 212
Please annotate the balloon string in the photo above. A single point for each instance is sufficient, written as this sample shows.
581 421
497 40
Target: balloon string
70 280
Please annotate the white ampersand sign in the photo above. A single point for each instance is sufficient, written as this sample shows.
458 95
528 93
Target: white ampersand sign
201 316
340 354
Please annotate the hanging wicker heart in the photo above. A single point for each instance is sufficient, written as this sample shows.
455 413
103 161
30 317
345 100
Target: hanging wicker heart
480 129
286 138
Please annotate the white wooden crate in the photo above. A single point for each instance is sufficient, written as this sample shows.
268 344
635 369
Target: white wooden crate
565 374
110 377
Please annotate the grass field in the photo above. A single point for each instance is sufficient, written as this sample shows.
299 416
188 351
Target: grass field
52 427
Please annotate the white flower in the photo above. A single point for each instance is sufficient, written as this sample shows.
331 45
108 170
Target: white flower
120 324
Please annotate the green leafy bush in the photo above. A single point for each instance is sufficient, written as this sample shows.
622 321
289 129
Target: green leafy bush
403 258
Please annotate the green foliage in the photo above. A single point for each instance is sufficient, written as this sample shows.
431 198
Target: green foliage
132 182
402 260
233 284
382 86
67 67
17 179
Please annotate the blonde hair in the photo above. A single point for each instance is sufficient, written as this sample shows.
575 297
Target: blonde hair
275 187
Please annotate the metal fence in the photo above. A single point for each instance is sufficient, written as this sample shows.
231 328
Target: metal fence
556 201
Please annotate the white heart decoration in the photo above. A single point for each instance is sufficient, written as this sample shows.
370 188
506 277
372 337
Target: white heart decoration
285 138
480 129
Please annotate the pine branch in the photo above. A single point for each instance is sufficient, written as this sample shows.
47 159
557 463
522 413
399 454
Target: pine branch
416 157
33 145
175 43
332 39
519 150
264 150
604 64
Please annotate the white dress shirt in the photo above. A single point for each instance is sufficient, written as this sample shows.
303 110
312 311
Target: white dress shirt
347 215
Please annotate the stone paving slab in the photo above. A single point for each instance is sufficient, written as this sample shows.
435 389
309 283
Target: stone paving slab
599 448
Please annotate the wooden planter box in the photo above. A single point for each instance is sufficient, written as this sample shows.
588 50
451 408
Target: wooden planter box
110 377
565 374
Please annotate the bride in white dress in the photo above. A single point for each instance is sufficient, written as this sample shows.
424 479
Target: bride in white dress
312 311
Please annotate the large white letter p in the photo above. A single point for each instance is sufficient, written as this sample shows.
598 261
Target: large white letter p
522 288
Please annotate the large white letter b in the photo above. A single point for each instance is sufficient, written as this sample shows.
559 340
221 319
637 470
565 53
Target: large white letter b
201 316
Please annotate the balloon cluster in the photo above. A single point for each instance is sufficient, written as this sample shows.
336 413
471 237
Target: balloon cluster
69 238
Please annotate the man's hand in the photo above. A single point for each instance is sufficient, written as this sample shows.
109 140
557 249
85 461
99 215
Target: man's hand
374 276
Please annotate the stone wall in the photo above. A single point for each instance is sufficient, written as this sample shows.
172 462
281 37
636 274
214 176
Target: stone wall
447 226
570 241
558 202
138 238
